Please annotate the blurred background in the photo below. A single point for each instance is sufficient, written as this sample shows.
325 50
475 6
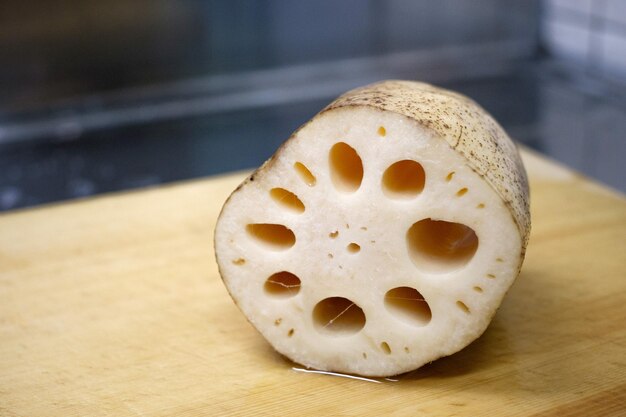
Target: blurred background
104 96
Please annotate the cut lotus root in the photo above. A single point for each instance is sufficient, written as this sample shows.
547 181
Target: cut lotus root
382 235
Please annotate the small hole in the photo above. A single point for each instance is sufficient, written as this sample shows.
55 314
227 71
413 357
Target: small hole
338 316
480 206
463 306
239 261
364 355
492 276
287 199
330 255
385 347
334 234
406 349
353 248
364 228
439 246
382 131
272 236
499 260
461 192
346 168
282 284
277 322
404 179
449 176
290 332
408 305
478 289
305 174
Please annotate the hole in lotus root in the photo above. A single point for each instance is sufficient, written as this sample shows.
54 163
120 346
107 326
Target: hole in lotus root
404 179
304 173
287 199
282 284
346 168
271 236
408 305
338 316
439 246
353 248
463 306
385 347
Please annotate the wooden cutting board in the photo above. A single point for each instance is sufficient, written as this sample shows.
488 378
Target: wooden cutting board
113 306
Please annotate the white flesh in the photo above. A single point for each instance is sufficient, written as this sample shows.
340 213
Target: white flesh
392 340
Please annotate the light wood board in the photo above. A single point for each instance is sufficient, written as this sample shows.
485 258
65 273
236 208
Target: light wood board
113 307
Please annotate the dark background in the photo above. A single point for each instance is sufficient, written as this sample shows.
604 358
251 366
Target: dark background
104 96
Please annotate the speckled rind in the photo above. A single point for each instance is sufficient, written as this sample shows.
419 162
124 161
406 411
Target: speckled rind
466 126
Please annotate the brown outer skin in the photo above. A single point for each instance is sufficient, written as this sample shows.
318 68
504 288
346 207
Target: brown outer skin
467 128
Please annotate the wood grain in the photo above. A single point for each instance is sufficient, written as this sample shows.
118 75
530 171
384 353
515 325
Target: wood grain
113 306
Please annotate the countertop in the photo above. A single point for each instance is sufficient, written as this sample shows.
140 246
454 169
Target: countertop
113 306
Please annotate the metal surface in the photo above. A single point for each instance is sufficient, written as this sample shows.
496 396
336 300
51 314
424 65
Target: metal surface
100 98
88 152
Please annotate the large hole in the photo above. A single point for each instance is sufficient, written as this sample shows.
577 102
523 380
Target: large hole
404 179
408 305
287 199
273 236
305 174
338 316
346 168
282 284
439 246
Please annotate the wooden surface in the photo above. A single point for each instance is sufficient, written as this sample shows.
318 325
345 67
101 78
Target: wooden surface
113 306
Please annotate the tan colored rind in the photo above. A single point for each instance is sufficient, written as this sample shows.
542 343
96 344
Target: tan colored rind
466 126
